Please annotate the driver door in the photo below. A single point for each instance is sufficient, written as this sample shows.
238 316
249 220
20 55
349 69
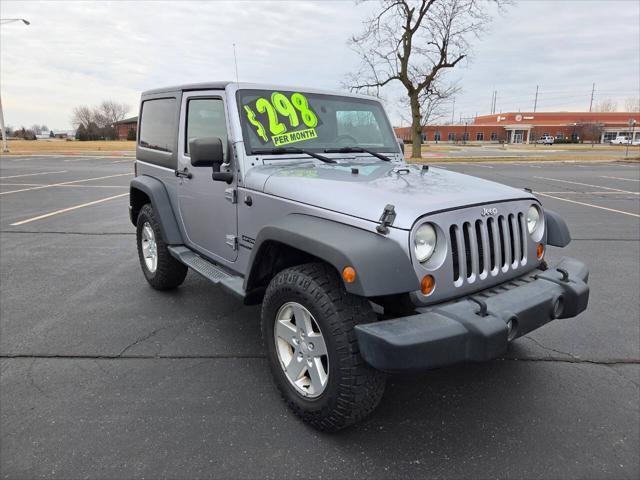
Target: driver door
208 211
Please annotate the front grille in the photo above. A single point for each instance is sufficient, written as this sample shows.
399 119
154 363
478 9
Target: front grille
484 248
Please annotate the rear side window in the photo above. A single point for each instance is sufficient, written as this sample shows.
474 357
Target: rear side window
158 129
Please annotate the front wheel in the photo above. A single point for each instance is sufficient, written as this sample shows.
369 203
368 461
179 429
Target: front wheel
308 321
162 271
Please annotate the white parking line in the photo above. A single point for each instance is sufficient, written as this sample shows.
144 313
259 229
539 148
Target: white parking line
569 192
64 186
589 185
32 174
589 205
68 209
64 183
620 178
92 157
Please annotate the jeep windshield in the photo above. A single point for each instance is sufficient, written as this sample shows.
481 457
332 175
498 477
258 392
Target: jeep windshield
281 119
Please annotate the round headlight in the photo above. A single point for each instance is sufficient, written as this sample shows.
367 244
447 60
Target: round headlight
533 218
425 242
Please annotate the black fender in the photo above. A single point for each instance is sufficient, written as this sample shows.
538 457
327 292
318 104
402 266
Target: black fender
157 193
558 234
382 266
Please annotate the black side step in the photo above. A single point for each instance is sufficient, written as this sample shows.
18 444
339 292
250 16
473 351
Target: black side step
209 270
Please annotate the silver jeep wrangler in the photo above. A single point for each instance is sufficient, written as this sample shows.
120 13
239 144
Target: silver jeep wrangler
300 200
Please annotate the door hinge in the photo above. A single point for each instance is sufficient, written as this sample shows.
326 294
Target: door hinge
231 194
232 241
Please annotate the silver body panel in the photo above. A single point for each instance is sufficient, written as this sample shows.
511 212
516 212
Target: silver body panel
295 184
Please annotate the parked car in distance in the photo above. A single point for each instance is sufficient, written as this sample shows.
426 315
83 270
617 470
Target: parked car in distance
300 200
545 140
621 140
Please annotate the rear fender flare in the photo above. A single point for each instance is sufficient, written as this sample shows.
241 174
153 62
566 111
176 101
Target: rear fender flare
157 193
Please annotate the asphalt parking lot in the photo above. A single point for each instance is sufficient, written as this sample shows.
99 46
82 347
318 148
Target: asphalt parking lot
103 377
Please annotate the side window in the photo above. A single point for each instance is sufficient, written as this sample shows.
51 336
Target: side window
158 124
206 118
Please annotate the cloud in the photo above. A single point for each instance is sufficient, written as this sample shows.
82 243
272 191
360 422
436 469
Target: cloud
78 53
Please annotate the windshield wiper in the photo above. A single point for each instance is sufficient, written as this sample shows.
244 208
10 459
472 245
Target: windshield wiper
286 150
357 150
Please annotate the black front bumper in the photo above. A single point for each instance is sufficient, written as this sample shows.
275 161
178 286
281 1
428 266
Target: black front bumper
477 327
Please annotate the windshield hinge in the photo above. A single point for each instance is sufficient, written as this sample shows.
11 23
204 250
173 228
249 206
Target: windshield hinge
386 219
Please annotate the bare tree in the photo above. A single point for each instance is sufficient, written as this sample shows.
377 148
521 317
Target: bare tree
433 103
36 129
414 42
632 104
606 105
100 121
591 132
82 115
110 112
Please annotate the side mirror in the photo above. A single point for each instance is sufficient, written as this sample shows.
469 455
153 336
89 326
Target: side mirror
206 152
401 144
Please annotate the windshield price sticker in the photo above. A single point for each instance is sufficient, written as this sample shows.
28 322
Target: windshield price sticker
281 119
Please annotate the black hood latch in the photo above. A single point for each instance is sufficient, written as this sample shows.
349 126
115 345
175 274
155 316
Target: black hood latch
386 219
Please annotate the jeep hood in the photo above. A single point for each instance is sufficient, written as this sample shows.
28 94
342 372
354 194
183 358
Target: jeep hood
412 191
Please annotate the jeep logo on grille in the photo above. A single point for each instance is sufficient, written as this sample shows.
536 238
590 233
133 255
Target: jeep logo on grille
489 211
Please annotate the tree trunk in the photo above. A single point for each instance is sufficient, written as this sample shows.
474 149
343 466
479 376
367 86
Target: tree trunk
416 126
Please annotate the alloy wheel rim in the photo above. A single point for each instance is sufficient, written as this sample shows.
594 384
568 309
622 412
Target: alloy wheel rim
149 247
301 349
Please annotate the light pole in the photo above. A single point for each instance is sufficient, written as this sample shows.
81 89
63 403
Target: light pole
5 148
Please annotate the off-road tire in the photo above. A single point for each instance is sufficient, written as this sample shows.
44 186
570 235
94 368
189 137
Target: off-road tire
170 273
354 389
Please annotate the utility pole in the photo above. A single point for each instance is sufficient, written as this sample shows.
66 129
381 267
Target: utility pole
491 107
495 99
593 89
453 109
535 102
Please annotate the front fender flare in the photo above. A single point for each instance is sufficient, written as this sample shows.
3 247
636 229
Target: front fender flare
157 193
558 234
382 266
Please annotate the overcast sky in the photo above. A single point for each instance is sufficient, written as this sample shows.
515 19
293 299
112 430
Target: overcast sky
76 53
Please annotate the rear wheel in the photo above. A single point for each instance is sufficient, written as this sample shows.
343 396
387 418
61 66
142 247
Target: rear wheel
308 322
162 271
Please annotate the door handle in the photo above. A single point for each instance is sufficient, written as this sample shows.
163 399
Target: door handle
184 173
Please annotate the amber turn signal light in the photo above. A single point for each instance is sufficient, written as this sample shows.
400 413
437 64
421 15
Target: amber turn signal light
427 284
540 251
349 274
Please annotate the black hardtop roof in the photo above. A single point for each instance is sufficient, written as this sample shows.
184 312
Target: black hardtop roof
191 86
